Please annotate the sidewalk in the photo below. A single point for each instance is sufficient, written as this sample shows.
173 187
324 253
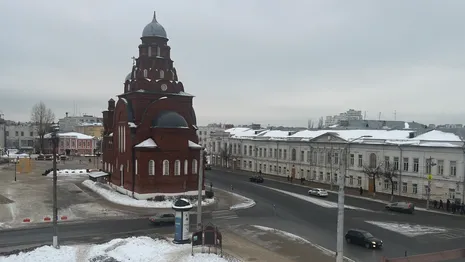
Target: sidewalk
248 243
351 192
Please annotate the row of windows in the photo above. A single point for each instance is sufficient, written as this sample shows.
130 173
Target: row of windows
7 133
414 189
165 167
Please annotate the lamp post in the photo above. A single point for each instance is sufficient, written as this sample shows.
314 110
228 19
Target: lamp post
55 141
340 204
429 164
200 187
98 154
16 164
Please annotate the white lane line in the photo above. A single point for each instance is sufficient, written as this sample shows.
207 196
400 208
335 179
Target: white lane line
316 201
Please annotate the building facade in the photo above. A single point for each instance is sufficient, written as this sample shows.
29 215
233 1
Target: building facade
70 123
317 155
204 134
20 135
150 144
71 144
90 129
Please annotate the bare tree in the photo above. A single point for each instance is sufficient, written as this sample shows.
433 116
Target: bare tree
226 154
320 123
373 172
390 174
41 117
311 124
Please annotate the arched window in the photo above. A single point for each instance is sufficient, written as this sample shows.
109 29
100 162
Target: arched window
150 51
372 160
293 154
145 72
194 166
177 168
151 168
166 167
186 167
135 167
162 74
158 51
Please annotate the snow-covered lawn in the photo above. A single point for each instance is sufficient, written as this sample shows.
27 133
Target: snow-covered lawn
134 249
112 195
299 239
409 230
245 202
69 172
317 201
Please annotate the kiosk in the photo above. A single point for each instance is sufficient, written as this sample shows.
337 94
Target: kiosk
182 207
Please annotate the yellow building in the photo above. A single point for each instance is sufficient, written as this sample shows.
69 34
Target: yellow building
90 129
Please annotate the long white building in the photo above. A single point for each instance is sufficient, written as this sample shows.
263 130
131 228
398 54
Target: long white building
317 155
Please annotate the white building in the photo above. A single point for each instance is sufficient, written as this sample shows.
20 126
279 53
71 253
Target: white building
204 133
350 114
69 123
317 155
21 136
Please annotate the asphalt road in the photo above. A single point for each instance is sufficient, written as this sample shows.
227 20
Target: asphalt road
318 224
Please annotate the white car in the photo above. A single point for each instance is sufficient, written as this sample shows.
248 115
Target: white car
317 192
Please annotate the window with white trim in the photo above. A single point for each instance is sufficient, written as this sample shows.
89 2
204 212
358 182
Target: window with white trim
145 72
162 74
177 168
186 167
135 167
194 166
166 167
151 168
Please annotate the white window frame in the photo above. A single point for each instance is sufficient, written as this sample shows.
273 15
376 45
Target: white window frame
145 73
194 166
166 167
186 167
177 167
162 74
151 167
135 167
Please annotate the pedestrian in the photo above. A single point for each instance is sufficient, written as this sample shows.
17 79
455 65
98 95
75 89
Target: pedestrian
288 178
435 204
448 205
361 191
462 209
453 206
292 178
302 179
441 204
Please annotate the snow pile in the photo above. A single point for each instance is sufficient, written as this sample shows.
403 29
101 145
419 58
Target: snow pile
68 172
408 230
111 195
316 201
141 249
245 202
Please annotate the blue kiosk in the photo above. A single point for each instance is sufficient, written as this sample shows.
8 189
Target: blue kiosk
182 207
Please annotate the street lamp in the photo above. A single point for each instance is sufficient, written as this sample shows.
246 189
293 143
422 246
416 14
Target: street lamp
55 141
340 204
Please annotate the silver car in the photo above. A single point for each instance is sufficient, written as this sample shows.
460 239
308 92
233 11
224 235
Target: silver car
167 218
317 192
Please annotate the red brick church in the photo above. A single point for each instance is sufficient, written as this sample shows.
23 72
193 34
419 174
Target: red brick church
150 143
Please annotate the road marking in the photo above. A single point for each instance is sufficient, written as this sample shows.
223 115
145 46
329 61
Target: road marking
224 214
448 236
409 230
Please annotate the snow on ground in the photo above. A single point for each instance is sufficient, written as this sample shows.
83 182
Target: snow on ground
245 202
408 230
317 201
299 239
112 195
135 249
69 172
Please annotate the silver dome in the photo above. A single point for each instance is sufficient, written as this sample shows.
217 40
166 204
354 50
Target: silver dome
128 77
154 29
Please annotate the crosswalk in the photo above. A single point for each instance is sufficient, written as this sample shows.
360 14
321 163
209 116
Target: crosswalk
224 214
449 235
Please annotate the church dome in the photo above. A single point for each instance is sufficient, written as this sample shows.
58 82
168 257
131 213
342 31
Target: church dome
169 119
128 77
154 29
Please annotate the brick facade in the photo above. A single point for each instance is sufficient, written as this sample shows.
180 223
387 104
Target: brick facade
153 107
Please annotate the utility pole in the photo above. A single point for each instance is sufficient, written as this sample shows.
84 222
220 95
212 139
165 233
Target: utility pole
429 164
16 163
55 208
200 187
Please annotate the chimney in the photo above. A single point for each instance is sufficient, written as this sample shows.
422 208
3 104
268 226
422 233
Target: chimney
411 134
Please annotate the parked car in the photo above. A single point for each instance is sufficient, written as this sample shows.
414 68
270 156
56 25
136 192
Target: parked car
165 218
363 238
317 192
63 157
49 157
403 207
40 157
256 179
208 167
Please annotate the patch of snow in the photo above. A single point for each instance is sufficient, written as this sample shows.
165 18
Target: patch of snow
132 125
111 195
69 172
14 156
161 98
406 125
70 134
193 145
195 127
148 79
406 229
245 201
142 249
316 201
148 143
299 239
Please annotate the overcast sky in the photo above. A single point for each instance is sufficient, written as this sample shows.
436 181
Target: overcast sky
263 61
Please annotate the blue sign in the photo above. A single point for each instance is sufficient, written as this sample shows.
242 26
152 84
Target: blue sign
178 226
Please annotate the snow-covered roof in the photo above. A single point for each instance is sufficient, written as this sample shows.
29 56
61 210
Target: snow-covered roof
70 134
193 145
434 138
148 143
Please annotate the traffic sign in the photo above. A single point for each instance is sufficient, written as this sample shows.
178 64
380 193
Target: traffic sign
430 177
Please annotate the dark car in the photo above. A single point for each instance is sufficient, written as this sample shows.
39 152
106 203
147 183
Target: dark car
363 238
208 167
158 219
40 157
403 207
257 179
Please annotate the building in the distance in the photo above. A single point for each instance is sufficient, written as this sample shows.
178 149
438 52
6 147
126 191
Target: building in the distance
71 144
350 114
150 143
20 135
69 123
90 129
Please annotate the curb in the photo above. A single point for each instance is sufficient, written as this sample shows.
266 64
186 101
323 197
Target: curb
349 195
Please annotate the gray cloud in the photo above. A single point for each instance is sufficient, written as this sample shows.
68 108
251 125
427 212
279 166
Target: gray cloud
246 61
